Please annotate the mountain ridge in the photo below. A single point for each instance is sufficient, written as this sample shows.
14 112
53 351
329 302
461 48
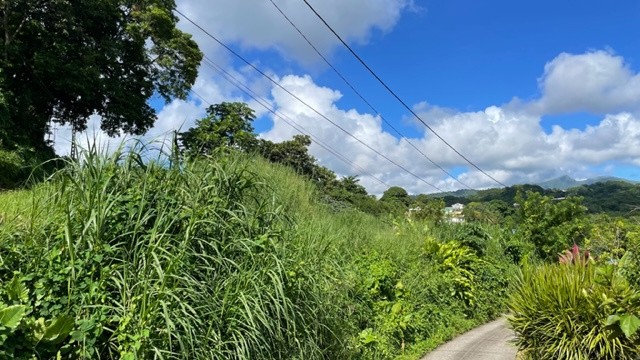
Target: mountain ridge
563 182
566 182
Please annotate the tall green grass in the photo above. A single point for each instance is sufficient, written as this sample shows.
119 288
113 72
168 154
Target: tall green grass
224 257
186 262
14 203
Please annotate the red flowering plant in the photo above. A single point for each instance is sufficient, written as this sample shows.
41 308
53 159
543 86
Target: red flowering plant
574 256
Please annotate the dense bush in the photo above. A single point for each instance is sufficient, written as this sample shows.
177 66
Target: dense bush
126 260
229 257
412 301
20 165
576 310
549 224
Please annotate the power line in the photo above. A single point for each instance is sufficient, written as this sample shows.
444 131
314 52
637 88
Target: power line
398 97
344 79
200 97
302 101
264 103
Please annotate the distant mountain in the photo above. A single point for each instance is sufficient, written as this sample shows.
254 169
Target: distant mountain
458 193
560 183
566 182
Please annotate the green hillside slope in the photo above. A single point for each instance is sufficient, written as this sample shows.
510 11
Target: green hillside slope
229 257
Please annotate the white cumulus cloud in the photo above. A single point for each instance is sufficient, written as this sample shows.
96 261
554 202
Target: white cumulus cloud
507 141
258 25
597 81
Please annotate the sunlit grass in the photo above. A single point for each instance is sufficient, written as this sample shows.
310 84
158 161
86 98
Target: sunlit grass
14 202
225 257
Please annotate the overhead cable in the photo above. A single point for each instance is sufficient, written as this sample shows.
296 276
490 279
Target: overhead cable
264 103
353 88
373 73
277 84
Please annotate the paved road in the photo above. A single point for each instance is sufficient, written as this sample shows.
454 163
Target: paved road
487 342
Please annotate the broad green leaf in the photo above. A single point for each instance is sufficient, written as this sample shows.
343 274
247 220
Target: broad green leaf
629 324
38 328
17 291
11 315
59 329
612 319
396 308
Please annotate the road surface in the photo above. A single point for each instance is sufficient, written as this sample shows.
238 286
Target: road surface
491 341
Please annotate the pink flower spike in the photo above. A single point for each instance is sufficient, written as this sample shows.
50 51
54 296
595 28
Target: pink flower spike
575 250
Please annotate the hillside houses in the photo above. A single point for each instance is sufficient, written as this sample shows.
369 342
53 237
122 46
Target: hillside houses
454 213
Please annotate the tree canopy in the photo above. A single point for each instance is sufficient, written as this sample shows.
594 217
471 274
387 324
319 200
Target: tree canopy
552 225
228 124
428 208
612 197
396 194
65 60
293 153
396 199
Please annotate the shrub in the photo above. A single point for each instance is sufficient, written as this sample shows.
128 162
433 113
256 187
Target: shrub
19 165
131 260
575 311
518 250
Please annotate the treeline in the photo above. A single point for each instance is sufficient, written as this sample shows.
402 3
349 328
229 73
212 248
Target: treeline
615 198
612 197
229 126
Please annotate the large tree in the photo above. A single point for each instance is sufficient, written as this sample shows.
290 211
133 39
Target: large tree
396 199
64 60
228 124
396 194
551 224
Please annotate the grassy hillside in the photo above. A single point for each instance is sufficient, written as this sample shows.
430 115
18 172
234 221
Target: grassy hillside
229 257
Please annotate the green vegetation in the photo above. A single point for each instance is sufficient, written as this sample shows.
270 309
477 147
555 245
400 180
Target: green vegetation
570 304
612 197
226 125
228 256
576 310
585 305
106 58
615 198
234 247
550 225
229 126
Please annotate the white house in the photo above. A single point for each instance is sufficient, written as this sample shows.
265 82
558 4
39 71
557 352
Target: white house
454 213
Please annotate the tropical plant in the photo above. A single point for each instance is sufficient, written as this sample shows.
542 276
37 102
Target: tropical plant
461 262
575 310
551 225
574 256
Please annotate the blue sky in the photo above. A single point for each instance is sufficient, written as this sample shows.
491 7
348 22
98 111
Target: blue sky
526 90
469 55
